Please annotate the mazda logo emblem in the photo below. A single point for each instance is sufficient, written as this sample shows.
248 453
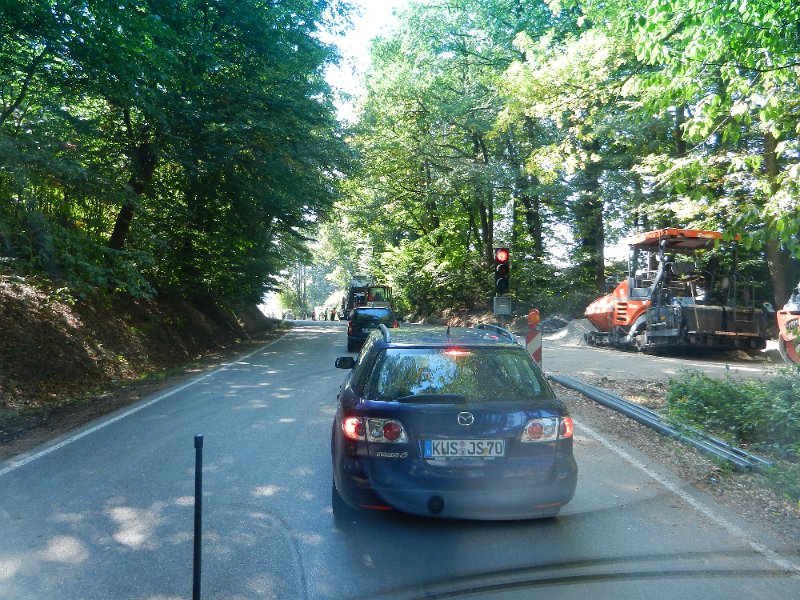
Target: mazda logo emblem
466 418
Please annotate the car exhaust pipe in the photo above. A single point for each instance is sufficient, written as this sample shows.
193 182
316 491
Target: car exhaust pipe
436 505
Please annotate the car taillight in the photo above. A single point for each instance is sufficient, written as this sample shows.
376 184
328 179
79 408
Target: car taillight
392 431
541 430
534 431
395 324
566 428
385 431
349 328
457 352
353 428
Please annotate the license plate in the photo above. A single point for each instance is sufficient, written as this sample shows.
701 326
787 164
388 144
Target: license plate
464 448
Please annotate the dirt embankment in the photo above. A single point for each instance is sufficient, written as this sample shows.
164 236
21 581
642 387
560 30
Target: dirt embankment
65 360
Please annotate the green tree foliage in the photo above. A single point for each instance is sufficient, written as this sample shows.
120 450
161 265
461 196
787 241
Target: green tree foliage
441 184
517 121
726 73
177 145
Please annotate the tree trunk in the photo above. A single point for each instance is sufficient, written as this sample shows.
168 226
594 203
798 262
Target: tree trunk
589 223
8 111
143 162
486 204
486 232
677 133
778 260
121 227
599 240
533 224
430 201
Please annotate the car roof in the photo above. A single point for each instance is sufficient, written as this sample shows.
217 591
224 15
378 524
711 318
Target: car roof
444 336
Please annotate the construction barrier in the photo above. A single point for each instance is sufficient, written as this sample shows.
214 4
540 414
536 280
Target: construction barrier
533 339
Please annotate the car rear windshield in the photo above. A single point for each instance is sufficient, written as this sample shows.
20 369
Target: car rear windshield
471 375
372 314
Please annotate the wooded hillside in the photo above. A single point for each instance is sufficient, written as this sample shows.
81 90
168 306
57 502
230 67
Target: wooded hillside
165 146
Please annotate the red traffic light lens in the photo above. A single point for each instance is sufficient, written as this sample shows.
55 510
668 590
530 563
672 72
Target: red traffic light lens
501 255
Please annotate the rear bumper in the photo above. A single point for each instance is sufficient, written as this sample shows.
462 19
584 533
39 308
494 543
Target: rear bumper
357 338
487 503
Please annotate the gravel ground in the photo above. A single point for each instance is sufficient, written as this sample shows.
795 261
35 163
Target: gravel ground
745 493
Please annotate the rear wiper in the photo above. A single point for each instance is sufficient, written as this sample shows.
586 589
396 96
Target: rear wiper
433 398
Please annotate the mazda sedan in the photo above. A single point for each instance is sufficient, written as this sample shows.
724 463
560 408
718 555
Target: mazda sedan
451 423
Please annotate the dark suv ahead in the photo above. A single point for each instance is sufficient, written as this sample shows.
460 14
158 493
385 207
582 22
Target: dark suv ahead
453 423
364 320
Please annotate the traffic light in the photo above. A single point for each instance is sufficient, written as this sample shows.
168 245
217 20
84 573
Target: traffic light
501 270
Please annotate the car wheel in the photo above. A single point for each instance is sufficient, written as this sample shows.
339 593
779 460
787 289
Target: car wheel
351 347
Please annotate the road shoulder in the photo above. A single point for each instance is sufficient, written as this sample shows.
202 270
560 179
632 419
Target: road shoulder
745 494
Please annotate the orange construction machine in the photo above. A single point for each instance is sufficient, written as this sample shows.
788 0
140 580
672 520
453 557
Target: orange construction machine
788 329
677 296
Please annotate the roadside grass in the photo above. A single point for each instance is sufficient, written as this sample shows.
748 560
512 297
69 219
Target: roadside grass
761 415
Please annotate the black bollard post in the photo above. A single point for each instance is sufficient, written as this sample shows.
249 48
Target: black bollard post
198 513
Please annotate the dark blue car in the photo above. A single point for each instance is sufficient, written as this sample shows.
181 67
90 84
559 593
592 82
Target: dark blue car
364 320
452 423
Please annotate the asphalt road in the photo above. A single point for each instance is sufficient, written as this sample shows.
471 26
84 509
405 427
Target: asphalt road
107 512
587 361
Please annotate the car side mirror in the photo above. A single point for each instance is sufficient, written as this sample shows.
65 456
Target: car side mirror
345 362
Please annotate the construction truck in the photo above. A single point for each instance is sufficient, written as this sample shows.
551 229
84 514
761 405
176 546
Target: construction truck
789 329
364 292
677 295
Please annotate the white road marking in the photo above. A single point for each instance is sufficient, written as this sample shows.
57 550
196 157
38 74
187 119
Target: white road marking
720 521
66 442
